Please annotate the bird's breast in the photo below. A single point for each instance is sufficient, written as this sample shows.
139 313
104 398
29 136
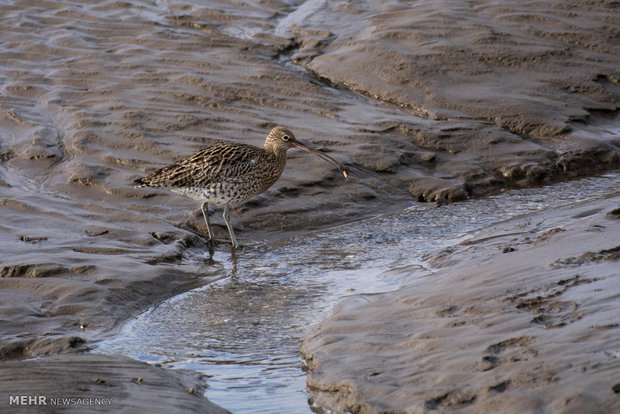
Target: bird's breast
229 191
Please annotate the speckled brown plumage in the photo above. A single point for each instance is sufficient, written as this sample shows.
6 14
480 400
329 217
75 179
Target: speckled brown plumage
229 174
221 174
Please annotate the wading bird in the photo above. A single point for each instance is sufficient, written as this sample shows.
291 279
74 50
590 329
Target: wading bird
230 174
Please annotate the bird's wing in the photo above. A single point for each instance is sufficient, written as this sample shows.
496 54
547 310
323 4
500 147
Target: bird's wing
209 165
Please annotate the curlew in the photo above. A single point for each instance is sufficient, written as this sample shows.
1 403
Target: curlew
230 174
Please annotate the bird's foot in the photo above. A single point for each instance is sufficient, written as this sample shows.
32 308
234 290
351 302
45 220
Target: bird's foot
212 244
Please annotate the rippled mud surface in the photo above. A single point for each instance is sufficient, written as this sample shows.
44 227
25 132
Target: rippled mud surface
244 331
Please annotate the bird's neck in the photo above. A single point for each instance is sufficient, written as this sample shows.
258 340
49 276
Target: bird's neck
277 150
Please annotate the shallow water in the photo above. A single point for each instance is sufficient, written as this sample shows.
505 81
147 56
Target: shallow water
244 331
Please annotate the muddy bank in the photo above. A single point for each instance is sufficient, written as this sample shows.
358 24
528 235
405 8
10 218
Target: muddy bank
98 383
525 92
516 318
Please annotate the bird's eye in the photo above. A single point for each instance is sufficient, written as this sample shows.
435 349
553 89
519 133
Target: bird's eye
285 138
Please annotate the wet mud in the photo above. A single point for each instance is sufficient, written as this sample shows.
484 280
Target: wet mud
244 330
515 318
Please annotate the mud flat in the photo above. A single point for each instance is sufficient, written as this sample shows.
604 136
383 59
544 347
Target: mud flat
520 317
519 93
98 383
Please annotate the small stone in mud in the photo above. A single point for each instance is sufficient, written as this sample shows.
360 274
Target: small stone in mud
488 363
33 240
96 232
499 388
615 213
165 238
81 325
76 341
372 374
137 380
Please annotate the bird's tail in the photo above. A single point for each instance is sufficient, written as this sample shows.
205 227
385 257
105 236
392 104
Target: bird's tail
141 182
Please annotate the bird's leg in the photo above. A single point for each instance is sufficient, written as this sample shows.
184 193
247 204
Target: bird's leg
205 212
230 228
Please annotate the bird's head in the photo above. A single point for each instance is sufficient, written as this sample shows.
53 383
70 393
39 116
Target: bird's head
280 139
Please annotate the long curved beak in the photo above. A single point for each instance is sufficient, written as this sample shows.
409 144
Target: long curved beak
321 155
